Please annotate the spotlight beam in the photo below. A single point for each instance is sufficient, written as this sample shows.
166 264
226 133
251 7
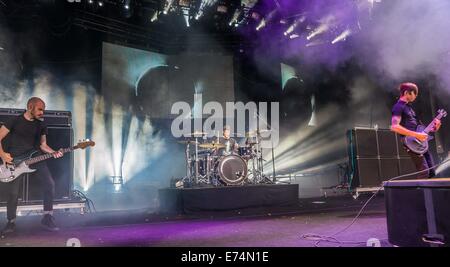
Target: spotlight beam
236 14
342 36
294 25
266 19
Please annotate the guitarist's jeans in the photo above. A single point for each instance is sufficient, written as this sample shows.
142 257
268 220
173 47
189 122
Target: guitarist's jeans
423 162
46 182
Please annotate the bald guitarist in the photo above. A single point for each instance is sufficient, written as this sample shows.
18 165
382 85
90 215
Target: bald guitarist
26 133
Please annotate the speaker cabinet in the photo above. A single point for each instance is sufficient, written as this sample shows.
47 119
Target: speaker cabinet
388 169
371 172
417 212
366 143
376 155
387 143
367 173
61 169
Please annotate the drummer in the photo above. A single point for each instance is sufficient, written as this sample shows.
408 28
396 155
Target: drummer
231 146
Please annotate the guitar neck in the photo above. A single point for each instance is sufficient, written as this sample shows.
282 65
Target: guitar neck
46 156
430 126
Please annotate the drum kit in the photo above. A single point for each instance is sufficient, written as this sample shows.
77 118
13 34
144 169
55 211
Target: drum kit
209 162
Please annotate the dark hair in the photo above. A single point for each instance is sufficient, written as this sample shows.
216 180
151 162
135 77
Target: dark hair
408 87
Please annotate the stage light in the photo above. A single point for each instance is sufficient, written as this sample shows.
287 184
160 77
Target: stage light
127 8
100 3
294 25
91 1
321 29
204 4
266 20
325 24
168 6
261 24
342 36
126 4
154 17
235 17
293 36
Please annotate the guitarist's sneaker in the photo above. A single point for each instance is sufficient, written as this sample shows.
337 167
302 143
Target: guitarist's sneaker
48 223
8 229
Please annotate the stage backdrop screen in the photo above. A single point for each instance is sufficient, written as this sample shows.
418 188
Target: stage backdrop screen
151 83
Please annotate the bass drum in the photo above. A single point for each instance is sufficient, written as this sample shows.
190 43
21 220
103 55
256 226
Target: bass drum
232 170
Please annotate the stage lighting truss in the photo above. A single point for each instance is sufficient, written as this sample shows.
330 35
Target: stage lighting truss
233 13
196 10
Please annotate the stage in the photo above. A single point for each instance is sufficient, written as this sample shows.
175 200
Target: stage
274 227
227 198
202 123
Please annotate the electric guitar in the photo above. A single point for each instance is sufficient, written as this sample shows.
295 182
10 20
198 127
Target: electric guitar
417 146
20 165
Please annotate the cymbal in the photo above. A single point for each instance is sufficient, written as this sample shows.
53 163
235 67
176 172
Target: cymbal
197 133
185 142
211 145
232 135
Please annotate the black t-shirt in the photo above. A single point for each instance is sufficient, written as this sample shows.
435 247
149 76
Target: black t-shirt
406 112
24 135
229 146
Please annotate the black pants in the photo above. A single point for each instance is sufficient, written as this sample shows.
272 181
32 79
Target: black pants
422 163
47 183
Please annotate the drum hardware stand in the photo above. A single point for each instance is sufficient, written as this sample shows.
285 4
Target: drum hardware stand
192 178
188 165
196 160
196 177
263 177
